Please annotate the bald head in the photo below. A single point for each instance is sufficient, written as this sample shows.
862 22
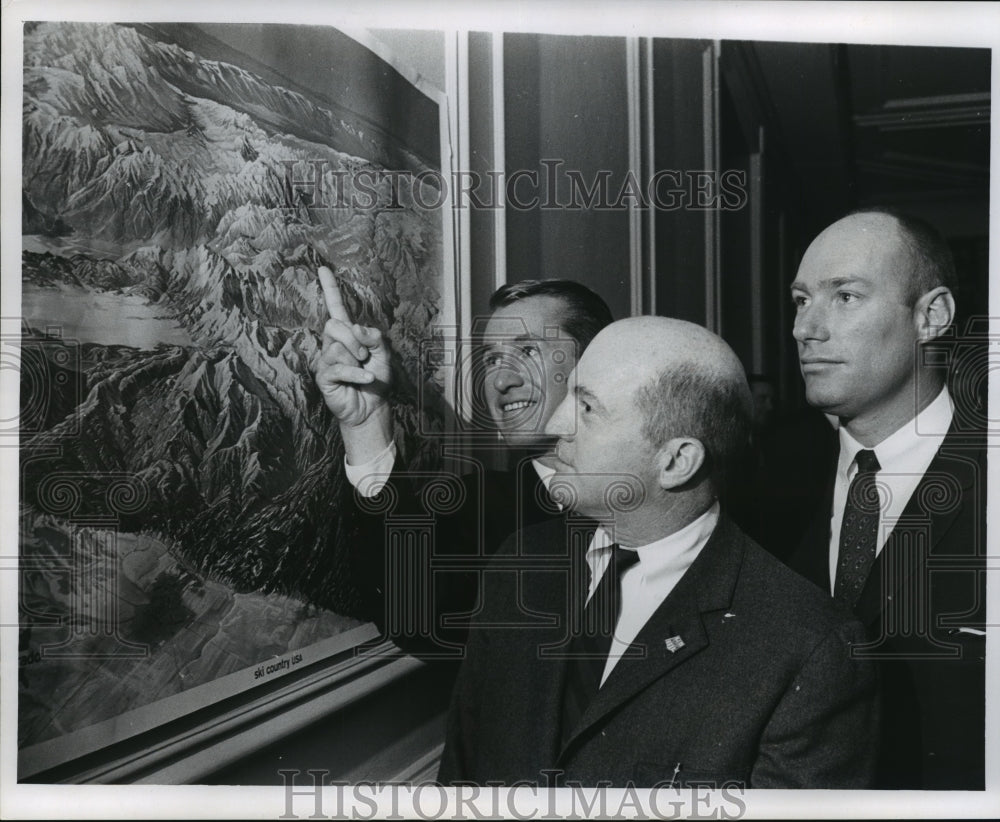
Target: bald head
655 411
894 245
688 382
663 342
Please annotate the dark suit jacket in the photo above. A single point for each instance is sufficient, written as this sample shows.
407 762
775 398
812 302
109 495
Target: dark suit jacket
422 544
764 691
774 491
927 585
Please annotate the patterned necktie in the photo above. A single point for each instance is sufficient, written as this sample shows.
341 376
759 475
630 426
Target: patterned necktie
589 648
858 531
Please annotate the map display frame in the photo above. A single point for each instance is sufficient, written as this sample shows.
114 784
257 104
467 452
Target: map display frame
183 515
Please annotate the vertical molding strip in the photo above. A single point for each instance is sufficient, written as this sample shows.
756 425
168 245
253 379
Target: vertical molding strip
462 164
710 122
757 254
464 229
650 165
784 307
499 162
635 217
457 91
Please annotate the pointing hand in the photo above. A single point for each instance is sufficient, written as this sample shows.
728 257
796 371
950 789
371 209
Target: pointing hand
353 373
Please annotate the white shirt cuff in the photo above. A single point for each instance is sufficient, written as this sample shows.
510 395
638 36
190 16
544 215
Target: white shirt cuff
371 477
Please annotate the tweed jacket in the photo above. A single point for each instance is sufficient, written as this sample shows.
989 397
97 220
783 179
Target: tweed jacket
755 687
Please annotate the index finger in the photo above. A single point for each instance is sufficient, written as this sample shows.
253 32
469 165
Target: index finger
331 295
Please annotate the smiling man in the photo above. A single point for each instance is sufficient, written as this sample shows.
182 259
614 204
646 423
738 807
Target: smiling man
651 643
529 345
525 352
899 534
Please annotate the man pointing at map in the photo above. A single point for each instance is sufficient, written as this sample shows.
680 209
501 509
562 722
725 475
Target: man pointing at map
530 343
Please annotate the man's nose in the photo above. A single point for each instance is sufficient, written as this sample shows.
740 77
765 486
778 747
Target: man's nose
810 324
507 376
561 423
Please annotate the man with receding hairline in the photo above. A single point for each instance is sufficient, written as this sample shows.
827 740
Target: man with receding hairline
899 534
644 640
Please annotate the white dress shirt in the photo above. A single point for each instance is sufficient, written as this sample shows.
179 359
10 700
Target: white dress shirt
370 477
903 457
647 583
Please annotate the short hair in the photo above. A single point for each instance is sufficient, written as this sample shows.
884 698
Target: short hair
586 313
686 400
933 262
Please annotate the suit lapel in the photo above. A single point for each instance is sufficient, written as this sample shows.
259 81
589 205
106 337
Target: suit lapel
948 477
707 586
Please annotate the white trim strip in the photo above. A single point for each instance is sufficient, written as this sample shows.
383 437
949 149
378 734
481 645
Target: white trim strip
632 93
650 130
710 123
499 162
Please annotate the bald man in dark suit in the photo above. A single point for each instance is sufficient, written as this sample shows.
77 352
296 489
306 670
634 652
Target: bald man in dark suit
645 640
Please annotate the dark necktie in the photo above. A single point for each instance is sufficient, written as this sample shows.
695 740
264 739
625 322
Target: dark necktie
589 648
858 531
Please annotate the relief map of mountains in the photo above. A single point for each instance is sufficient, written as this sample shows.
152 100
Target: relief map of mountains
182 497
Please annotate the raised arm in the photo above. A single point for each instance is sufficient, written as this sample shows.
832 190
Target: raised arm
353 376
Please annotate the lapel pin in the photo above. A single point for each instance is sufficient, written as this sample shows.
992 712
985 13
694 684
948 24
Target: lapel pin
674 644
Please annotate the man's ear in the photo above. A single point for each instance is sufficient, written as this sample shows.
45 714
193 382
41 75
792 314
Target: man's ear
934 313
679 460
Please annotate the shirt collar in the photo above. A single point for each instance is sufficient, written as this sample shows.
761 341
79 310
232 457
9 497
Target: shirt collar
670 554
545 473
930 425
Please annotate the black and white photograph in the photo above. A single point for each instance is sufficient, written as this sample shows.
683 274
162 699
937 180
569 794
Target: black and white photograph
494 411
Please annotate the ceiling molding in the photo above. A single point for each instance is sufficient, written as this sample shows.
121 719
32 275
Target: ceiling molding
978 98
955 117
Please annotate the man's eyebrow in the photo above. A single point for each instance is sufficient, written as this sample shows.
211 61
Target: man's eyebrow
498 340
831 282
